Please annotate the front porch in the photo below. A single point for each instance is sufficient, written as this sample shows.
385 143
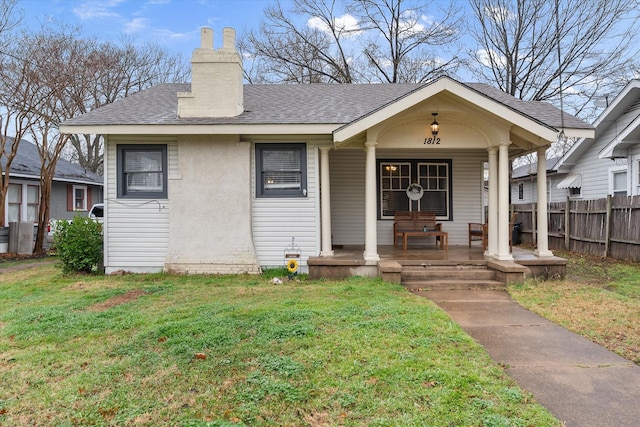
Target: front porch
398 266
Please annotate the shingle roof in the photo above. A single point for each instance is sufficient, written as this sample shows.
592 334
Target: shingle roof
27 163
532 168
294 104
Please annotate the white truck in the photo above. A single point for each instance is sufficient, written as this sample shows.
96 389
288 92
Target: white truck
96 212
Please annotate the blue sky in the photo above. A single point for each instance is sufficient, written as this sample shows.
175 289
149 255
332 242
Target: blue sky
174 24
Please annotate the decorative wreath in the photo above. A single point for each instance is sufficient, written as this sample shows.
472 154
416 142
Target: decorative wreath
415 191
292 266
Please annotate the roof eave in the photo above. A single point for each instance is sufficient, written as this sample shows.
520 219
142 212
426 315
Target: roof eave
202 129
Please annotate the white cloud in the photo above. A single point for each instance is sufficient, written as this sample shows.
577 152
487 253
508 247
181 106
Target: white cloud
94 10
488 58
162 34
345 24
136 25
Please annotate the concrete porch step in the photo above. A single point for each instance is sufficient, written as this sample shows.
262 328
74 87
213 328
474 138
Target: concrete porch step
416 274
457 284
441 277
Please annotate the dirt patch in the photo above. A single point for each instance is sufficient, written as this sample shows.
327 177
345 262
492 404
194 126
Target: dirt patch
117 300
5 257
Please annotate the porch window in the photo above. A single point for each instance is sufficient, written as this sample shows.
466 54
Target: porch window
281 170
142 171
434 176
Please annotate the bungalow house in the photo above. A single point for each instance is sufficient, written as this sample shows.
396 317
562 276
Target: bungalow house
609 162
73 189
219 177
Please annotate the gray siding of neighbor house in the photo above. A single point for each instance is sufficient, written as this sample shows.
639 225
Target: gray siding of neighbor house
58 207
347 194
596 172
554 194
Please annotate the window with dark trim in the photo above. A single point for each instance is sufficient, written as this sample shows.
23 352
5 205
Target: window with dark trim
575 191
281 170
434 176
142 171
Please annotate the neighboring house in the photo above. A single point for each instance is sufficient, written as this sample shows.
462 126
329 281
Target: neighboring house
609 162
218 177
73 189
524 183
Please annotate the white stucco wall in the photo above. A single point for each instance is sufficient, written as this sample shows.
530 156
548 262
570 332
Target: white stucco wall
210 219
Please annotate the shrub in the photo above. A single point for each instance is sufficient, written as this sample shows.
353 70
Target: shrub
79 244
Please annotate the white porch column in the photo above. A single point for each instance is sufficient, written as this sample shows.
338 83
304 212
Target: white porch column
492 221
370 206
325 203
503 203
543 227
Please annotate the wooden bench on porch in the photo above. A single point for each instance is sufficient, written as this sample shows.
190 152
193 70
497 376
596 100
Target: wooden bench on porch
418 224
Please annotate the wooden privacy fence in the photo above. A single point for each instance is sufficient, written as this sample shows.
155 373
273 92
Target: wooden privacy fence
603 227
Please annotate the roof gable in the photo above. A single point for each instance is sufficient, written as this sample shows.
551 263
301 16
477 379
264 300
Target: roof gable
621 104
535 117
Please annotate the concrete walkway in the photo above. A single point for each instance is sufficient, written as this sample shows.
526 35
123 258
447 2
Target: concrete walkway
579 382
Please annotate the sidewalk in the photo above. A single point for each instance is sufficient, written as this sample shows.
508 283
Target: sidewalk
579 382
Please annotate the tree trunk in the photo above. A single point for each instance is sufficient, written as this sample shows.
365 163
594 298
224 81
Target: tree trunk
46 179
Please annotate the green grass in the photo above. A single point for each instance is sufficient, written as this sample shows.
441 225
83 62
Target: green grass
599 299
238 350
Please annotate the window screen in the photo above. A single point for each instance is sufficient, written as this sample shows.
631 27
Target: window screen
142 171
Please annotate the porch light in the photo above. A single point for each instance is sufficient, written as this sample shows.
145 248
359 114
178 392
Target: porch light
435 126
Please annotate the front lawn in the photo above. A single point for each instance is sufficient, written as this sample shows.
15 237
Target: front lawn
599 299
238 350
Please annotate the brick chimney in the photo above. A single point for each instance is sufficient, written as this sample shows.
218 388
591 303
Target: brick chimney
216 79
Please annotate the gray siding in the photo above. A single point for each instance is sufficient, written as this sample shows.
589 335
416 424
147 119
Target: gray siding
596 172
137 231
277 220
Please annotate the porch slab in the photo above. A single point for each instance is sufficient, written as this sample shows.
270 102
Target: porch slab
348 261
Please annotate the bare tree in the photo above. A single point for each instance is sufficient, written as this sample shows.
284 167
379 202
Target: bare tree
293 53
537 49
401 42
51 62
351 42
111 72
15 91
